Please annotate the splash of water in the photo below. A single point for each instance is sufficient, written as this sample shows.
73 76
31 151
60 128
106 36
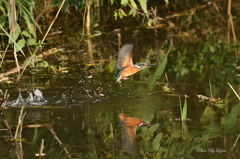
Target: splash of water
36 99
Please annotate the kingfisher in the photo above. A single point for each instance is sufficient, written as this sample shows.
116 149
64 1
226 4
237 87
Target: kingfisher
129 127
125 63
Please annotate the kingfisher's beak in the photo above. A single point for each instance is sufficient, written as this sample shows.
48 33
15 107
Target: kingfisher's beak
151 64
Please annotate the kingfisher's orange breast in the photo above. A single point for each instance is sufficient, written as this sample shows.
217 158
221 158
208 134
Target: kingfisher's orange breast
129 71
130 121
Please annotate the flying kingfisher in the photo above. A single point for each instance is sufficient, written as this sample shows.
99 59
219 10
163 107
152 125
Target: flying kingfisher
125 63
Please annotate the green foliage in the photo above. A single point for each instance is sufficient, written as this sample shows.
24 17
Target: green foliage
27 22
184 115
143 4
160 69
134 7
207 56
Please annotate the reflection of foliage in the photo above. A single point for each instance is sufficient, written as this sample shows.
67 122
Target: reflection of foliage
153 142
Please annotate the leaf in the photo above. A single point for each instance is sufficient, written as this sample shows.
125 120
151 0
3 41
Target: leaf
154 127
156 146
184 115
123 13
26 34
148 147
185 131
12 39
111 2
147 60
31 41
133 12
54 3
21 44
143 4
144 130
115 15
166 1
231 119
150 22
211 48
120 14
27 13
158 73
133 4
32 30
2 20
124 2
17 32
158 138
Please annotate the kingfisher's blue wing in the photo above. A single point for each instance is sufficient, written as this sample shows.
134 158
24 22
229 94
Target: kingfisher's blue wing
125 56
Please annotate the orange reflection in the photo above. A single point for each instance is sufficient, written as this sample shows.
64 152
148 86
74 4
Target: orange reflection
129 127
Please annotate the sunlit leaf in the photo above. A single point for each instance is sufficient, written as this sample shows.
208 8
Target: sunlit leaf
21 44
132 11
143 4
133 4
184 115
150 22
18 139
154 127
111 2
31 41
124 2
32 30
115 15
166 1
211 48
25 33
120 14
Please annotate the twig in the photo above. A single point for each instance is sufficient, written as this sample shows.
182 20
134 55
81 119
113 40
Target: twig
155 22
3 56
7 125
210 87
136 10
5 99
168 83
59 142
42 39
20 120
235 142
41 149
233 90
83 25
168 146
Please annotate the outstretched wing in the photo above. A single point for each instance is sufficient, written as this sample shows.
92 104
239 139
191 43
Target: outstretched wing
125 56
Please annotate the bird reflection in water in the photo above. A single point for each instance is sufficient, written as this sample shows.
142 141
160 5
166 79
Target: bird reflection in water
129 127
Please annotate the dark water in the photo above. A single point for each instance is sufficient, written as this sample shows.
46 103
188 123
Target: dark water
84 103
